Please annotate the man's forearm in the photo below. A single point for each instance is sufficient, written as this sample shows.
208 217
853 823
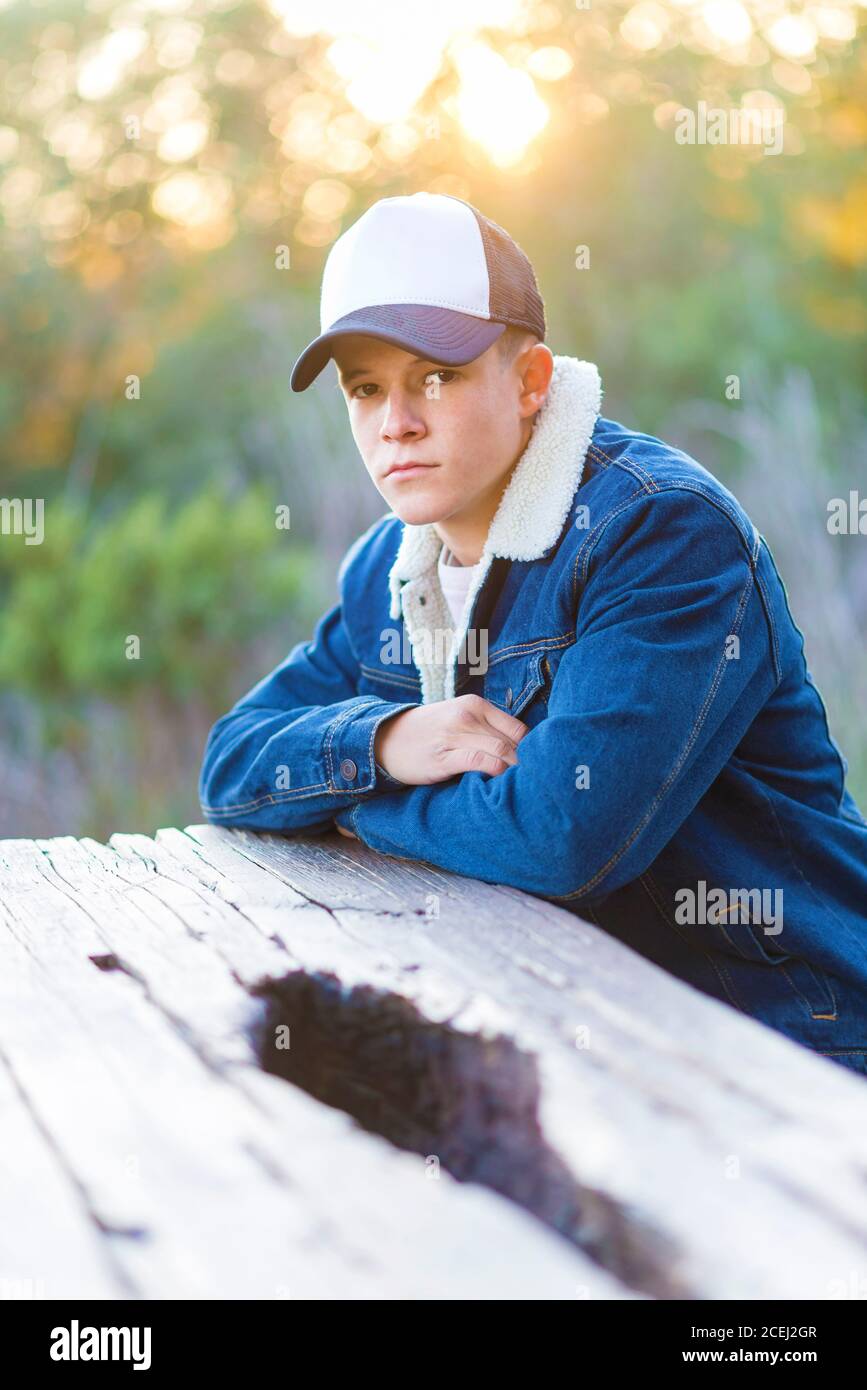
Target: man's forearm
271 769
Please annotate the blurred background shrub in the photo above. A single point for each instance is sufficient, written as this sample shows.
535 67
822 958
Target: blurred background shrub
86 693
172 175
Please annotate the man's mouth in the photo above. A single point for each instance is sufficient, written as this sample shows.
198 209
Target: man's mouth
408 470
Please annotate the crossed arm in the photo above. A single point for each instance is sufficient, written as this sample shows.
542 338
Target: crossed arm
670 665
646 708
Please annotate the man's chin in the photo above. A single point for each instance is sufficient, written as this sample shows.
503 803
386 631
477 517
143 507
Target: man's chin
419 511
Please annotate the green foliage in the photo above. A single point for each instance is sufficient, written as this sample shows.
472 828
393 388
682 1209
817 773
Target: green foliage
194 583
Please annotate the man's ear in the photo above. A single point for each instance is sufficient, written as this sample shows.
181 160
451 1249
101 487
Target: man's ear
536 373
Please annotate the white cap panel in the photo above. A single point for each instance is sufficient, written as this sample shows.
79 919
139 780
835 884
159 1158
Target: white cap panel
436 256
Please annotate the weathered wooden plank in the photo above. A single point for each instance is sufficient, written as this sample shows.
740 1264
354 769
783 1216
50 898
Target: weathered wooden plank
675 1134
203 1176
49 1241
686 1127
166 933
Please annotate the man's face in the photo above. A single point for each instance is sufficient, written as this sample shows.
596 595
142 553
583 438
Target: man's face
468 424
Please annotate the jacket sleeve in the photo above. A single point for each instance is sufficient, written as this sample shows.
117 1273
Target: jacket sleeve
646 707
299 745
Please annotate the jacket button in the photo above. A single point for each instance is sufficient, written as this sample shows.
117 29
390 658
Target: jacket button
348 769
509 696
422 600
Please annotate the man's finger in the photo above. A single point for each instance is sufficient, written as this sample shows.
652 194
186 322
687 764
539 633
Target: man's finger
504 723
497 745
471 758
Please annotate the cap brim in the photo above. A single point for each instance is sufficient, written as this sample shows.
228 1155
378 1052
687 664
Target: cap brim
438 335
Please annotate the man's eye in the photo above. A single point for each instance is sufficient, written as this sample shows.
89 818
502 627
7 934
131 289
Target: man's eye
445 374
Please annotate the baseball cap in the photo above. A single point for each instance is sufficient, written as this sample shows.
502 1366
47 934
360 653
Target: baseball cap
428 273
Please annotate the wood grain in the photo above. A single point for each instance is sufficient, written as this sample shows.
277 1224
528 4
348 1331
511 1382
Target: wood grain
482 1095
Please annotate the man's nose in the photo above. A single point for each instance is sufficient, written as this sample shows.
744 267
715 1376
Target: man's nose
401 420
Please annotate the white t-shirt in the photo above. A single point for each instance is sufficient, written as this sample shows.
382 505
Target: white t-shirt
455 580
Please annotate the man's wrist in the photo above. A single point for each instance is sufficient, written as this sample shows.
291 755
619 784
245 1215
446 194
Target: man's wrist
386 775
349 744
378 740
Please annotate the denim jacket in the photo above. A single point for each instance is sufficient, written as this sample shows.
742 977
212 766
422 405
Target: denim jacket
678 785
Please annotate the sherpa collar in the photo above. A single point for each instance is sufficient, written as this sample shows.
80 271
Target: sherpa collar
528 521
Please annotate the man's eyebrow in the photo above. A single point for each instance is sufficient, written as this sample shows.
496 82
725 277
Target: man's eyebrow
346 377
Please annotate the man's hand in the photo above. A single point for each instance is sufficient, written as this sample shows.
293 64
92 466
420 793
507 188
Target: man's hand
348 833
434 742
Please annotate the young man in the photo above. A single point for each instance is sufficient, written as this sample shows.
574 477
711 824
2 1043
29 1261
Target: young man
563 660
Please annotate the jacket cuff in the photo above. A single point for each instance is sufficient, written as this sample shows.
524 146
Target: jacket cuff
386 777
350 764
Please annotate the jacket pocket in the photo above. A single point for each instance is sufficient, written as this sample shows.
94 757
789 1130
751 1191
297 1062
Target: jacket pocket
389 683
515 683
765 974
